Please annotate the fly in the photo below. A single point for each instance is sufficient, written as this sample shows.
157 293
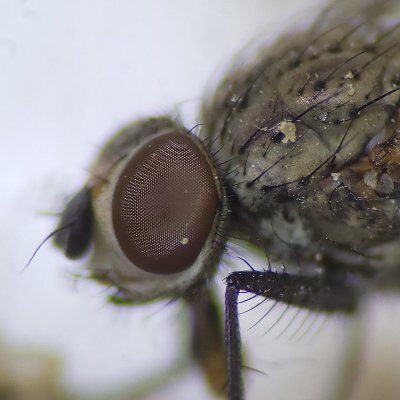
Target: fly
298 154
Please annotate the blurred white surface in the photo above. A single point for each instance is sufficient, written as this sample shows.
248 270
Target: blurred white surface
71 74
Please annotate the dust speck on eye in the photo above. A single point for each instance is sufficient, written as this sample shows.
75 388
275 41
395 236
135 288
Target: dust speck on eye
184 241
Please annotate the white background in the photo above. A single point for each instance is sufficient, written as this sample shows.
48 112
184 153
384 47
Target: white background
71 73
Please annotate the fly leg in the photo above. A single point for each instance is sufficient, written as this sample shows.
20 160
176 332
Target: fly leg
314 293
208 337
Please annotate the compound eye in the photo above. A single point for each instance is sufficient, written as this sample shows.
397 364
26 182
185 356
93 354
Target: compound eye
164 204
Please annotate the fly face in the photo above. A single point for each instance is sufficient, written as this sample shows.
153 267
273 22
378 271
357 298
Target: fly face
304 140
154 210
155 214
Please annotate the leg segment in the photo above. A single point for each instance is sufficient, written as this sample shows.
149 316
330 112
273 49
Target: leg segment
314 293
207 337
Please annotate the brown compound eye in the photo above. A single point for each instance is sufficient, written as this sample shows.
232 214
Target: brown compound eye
164 204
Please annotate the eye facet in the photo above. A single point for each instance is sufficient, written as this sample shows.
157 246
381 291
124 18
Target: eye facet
164 204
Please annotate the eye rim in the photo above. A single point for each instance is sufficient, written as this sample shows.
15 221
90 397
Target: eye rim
163 180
